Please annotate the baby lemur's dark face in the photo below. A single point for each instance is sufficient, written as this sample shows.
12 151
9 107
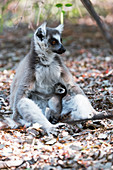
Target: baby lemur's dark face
60 89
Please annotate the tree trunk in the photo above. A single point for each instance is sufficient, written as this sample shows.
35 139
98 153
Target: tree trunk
103 26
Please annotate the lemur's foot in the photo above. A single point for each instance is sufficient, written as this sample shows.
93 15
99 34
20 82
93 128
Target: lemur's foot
54 129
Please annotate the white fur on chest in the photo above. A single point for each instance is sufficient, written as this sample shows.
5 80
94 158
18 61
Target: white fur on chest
47 76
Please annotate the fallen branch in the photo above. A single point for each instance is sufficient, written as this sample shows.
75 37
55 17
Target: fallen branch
99 116
103 26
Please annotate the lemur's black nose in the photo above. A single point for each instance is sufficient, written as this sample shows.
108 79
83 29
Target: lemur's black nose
61 50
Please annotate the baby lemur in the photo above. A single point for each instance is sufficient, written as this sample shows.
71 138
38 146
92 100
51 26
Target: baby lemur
54 107
39 71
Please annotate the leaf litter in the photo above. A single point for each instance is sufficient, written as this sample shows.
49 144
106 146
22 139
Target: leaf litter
88 145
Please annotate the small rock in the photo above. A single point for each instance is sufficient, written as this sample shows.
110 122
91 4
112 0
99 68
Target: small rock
51 142
102 136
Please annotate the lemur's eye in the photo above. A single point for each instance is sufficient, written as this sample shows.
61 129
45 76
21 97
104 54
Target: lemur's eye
53 42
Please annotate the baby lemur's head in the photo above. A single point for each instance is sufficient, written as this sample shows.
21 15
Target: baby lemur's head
48 40
60 89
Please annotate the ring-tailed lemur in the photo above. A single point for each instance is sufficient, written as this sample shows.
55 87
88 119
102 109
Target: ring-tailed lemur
39 71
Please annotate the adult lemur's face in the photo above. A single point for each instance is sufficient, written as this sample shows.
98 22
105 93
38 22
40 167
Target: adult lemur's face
48 39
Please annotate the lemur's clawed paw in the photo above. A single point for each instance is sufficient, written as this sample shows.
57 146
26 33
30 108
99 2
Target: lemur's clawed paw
54 129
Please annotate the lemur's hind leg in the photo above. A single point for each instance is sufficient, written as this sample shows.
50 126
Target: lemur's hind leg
76 108
30 112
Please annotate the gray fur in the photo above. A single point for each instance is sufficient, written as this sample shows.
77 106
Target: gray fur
39 71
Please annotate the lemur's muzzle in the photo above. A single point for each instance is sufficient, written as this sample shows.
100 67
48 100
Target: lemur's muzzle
60 50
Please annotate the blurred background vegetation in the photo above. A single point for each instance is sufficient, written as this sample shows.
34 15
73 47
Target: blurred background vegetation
33 12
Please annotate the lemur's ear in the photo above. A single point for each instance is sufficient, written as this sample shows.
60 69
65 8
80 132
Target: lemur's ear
41 31
60 28
43 27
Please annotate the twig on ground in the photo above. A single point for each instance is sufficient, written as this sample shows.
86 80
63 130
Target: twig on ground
99 116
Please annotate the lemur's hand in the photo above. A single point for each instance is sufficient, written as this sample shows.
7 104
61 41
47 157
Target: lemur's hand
54 129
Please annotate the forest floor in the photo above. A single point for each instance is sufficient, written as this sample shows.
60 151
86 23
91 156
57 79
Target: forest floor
89 146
